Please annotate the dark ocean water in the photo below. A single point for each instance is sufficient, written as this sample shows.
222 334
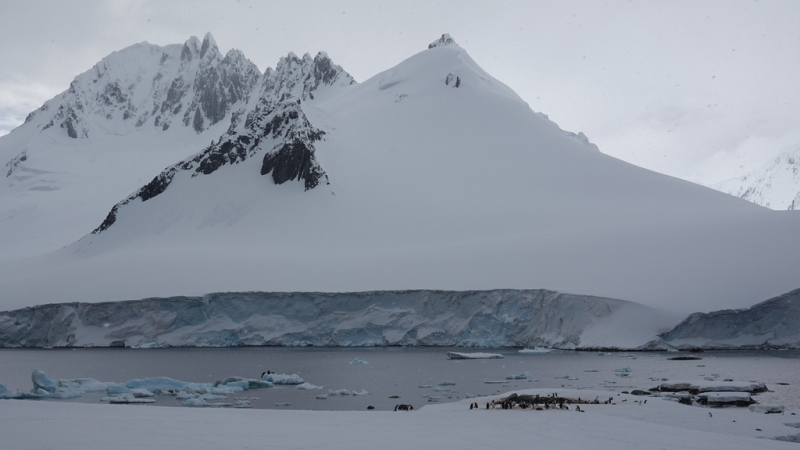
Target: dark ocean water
400 371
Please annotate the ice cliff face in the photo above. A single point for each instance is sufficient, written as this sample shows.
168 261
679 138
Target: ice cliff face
774 323
145 85
440 318
775 185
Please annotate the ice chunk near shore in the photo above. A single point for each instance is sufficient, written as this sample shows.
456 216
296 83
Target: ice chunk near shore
307 386
458 355
522 376
5 392
322 397
713 386
279 378
66 388
625 369
361 392
767 409
197 401
242 404
123 399
725 398
358 362
535 350
156 384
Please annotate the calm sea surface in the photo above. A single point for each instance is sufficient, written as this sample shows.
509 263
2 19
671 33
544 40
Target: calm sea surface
400 371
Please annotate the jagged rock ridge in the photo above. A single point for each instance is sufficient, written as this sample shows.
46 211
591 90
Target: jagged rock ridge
274 125
149 85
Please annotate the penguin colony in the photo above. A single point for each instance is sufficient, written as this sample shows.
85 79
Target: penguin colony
540 403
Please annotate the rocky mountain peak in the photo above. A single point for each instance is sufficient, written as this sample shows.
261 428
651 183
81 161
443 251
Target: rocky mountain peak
442 41
209 44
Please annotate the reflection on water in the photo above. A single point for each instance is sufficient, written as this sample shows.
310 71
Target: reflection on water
401 371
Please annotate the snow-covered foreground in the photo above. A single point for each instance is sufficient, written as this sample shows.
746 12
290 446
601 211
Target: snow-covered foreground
627 425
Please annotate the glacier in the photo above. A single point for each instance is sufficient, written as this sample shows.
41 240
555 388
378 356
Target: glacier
499 318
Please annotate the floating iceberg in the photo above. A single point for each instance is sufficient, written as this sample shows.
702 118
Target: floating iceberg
358 362
522 376
5 392
321 397
535 350
279 378
458 355
625 369
127 399
342 392
307 386
242 404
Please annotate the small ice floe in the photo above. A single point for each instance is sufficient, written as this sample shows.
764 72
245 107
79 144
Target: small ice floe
425 386
446 383
591 370
127 399
342 392
307 386
603 354
283 404
458 355
321 397
562 377
279 378
5 392
535 350
497 381
625 369
242 404
433 399
767 409
361 392
194 402
725 399
358 362
441 389
522 376
244 383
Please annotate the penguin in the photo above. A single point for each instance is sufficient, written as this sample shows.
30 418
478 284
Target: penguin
709 415
262 374
470 406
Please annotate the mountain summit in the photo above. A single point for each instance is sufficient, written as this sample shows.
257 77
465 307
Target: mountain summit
430 175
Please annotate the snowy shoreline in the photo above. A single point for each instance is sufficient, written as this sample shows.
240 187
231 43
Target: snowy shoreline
625 425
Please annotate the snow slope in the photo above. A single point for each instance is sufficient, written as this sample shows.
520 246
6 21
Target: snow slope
118 125
430 175
774 323
473 319
627 425
775 185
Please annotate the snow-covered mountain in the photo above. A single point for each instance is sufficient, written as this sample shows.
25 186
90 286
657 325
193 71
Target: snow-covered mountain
430 175
774 323
775 185
119 124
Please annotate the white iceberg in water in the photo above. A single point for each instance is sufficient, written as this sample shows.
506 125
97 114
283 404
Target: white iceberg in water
307 386
522 376
459 355
625 369
279 378
339 392
535 350
358 362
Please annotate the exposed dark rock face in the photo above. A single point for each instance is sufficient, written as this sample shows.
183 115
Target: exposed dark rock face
197 86
442 41
275 126
496 318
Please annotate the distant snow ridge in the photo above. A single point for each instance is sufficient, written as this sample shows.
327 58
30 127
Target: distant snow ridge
443 318
150 85
775 185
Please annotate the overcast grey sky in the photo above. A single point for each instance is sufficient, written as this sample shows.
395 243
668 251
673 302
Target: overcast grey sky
703 90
